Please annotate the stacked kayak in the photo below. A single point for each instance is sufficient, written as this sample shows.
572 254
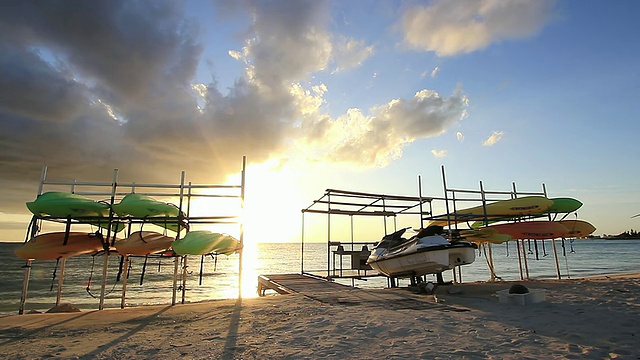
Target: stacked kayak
66 205
559 206
578 228
145 207
537 230
52 246
144 243
528 205
61 205
202 242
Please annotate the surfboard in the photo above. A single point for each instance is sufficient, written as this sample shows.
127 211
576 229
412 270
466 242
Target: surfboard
504 209
144 243
202 242
50 246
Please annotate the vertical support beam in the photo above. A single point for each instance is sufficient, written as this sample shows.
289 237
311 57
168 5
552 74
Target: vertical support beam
302 246
184 279
555 256
125 276
524 259
553 241
108 241
446 192
519 259
420 200
63 263
31 233
176 262
25 287
240 256
328 234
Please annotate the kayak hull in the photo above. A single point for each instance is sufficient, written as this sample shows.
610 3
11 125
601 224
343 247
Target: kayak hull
528 205
145 207
51 246
142 243
204 242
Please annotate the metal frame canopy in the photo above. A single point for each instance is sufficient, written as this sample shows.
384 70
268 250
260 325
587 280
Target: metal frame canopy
353 203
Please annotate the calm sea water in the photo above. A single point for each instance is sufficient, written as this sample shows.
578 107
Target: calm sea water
83 274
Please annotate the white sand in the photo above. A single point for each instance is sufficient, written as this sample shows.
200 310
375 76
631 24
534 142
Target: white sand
585 318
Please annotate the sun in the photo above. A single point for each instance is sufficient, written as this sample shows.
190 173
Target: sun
272 205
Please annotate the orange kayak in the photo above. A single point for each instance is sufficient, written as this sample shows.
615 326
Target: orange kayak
578 228
144 243
532 230
51 246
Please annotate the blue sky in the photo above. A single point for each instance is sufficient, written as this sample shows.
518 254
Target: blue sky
362 96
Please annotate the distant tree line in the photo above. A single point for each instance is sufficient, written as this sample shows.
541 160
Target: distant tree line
631 234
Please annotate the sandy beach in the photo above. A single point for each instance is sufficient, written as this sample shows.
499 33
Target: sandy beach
579 318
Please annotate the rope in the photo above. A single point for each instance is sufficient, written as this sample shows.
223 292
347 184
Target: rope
491 269
55 269
91 277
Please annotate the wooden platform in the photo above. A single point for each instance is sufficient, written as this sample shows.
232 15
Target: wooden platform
334 294
295 283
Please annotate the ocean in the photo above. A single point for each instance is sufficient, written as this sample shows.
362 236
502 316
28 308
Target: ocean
218 278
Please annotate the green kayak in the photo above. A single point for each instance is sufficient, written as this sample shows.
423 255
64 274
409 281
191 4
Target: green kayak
154 211
203 242
62 205
142 206
58 204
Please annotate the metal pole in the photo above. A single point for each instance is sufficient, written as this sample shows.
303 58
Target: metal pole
524 258
302 246
63 262
240 257
34 231
328 234
175 280
105 265
420 199
125 275
519 259
184 278
553 241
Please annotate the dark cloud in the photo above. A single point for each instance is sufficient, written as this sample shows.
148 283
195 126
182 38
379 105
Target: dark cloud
90 86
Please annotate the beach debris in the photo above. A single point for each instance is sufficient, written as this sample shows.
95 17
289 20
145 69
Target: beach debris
63 308
518 289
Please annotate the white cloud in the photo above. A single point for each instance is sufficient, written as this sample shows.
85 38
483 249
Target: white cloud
462 26
493 139
349 53
439 153
377 138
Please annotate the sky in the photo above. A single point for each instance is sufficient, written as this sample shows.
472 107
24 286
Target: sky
354 95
